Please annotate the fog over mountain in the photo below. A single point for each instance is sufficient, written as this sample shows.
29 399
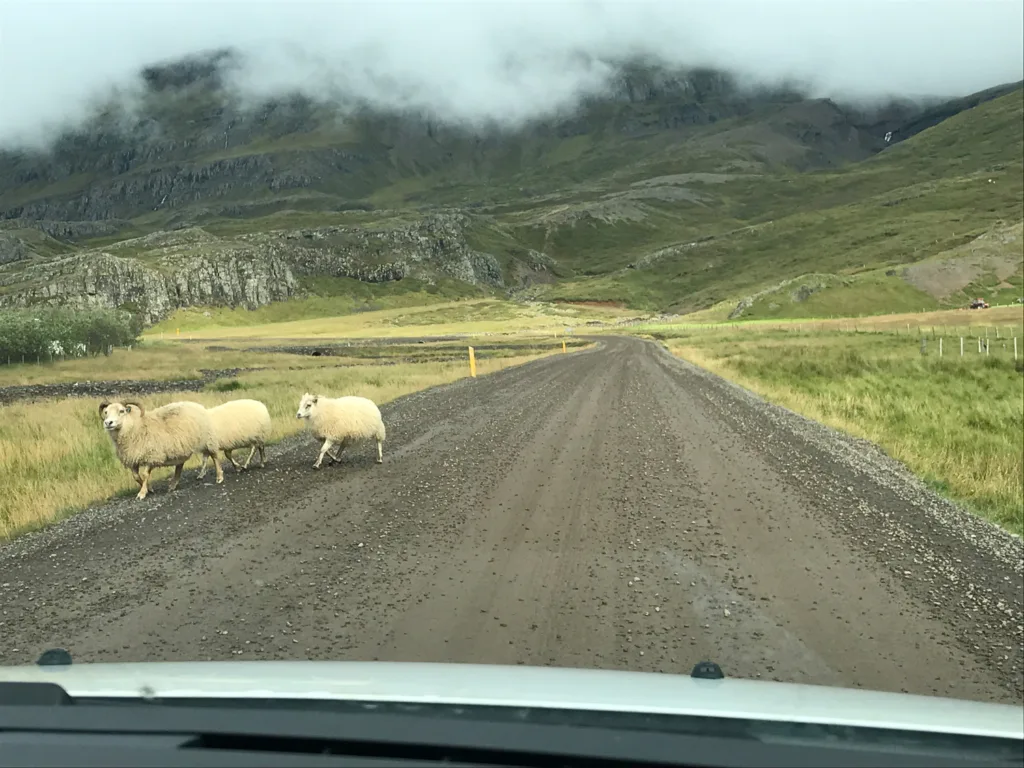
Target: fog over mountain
493 61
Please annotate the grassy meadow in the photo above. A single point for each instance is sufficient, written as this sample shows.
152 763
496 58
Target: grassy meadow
956 422
56 458
466 317
996 320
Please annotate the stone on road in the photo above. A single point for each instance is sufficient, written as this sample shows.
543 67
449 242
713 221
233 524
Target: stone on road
613 508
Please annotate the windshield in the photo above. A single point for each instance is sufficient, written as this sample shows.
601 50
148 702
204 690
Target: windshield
618 336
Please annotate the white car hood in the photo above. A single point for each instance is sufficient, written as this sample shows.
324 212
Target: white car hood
519 686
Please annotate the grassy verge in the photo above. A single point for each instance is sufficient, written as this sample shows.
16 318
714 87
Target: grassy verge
56 459
954 421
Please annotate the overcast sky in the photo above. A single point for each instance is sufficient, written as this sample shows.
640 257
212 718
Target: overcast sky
508 60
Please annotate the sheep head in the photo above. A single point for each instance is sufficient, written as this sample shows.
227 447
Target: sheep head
306 406
115 414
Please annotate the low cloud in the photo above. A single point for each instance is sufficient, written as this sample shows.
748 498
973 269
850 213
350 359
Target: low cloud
479 61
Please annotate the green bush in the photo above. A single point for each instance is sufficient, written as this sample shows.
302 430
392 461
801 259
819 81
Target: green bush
46 334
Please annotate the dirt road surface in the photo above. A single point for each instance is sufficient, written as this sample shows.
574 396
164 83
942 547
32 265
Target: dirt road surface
612 508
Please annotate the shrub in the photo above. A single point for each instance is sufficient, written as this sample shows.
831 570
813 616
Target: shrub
47 333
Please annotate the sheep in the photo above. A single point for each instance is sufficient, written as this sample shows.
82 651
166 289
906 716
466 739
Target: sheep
342 421
164 437
240 424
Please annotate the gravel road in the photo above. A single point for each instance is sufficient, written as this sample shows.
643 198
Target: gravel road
613 508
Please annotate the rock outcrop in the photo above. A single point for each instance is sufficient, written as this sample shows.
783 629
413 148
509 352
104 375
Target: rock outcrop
434 246
155 274
154 290
12 248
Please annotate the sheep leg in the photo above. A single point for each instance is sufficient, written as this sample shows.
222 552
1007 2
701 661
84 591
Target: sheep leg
263 456
234 463
217 465
135 474
336 455
252 451
380 451
202 468
328 444
144 478
177 476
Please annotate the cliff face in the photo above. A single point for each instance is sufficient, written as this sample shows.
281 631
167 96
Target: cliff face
436 245
168 186
158 273
104 280
12 248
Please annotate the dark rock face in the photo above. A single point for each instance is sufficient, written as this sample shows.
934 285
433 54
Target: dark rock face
158 273
104 280
115 387
12 248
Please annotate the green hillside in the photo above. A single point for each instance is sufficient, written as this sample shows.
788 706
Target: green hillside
935 192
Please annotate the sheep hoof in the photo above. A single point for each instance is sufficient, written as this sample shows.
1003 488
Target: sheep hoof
317 465
380 461
140 495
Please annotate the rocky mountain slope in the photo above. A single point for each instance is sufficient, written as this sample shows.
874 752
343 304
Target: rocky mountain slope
196 201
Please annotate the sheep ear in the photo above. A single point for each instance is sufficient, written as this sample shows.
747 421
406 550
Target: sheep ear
103 406
315 398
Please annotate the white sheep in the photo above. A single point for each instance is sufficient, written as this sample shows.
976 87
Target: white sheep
342 421
240 424
164 437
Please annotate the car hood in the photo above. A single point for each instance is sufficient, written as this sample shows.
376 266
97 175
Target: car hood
519 686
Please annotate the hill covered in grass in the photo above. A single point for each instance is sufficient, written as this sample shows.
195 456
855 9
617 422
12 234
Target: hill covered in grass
675 191
851 237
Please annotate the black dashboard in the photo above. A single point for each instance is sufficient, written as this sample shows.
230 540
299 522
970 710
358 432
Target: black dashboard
41 725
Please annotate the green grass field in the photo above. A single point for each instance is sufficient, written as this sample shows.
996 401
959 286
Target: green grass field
332 297
471 316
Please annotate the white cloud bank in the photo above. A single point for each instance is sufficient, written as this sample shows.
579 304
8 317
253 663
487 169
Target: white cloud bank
502 60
